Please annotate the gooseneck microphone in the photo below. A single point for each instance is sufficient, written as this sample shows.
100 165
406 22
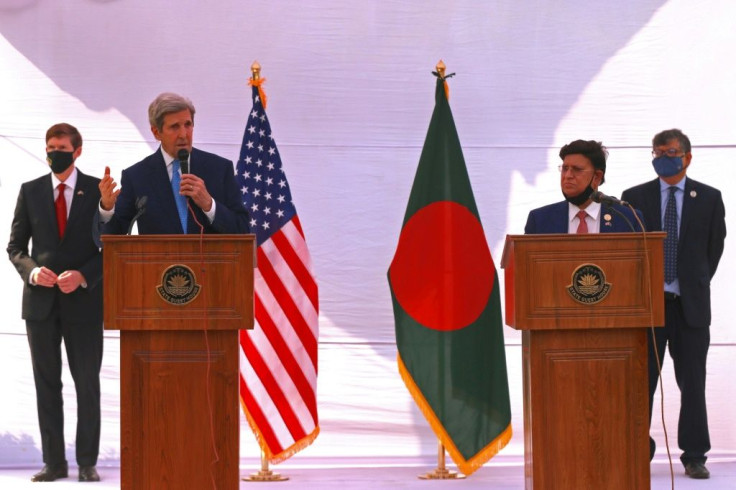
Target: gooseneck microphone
609 201
183 157
140 205
598 196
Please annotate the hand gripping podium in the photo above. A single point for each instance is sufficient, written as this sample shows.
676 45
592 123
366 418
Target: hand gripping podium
584 304
179 301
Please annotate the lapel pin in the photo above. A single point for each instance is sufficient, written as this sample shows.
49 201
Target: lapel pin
80 193
693 193
607 219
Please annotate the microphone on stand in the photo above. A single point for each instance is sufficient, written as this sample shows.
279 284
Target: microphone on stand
140 205
609 201
598 196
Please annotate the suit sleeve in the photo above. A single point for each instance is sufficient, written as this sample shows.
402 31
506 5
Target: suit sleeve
124 208
531 226
92 268
636 203
641 221
20 235
230 213
717 235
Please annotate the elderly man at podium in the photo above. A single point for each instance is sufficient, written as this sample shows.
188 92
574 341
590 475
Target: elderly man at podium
584 210
178 188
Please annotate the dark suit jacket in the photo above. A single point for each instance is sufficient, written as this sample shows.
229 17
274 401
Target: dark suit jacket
150 178
700 244
553 218
35 221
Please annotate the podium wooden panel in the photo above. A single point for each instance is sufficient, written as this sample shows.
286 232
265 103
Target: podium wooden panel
179 380
586 410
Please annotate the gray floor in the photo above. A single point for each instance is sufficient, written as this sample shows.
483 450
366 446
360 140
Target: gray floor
501 474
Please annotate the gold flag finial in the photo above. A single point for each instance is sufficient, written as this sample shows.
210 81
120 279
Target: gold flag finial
255 69
441 68
256 81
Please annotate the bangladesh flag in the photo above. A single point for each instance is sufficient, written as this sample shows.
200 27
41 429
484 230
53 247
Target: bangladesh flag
447 305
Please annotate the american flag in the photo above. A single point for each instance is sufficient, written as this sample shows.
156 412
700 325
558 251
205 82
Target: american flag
278 365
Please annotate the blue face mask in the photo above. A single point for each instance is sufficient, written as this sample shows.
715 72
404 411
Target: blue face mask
667 166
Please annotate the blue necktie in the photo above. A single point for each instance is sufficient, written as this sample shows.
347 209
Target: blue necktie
181 201
670 241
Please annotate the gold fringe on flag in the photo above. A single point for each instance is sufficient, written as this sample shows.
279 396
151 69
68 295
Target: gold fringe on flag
286 453
466 466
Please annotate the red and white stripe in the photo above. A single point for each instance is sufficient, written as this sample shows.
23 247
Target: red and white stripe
278 365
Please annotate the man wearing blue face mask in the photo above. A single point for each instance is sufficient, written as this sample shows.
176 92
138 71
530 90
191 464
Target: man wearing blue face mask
693 216
62 298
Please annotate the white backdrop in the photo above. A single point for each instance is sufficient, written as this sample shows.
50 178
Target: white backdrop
350 97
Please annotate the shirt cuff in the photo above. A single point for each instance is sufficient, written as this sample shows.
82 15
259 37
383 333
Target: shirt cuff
34 271
105 215
211 213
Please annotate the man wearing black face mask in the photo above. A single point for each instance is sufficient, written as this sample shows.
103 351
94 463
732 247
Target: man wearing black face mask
62 298
693 216
583 169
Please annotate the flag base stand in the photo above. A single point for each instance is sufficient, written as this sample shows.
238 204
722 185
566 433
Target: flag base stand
441 472
265 474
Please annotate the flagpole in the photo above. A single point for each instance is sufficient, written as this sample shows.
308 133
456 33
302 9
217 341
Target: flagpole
265 474
441 472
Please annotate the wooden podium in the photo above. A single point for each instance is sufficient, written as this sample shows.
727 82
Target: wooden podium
179 301
584 304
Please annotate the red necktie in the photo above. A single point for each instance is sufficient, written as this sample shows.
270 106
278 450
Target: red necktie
582 225
60 204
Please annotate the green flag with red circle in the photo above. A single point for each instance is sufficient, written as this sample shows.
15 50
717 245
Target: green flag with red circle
447 306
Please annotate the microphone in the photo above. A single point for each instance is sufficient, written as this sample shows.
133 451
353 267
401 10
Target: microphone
183 156
140 204
609 201
598 196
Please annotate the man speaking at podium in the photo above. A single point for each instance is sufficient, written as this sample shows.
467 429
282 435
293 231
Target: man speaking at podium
583 169
175 188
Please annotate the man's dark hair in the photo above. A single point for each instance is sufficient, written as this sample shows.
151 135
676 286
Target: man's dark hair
661 139
64 129
592 150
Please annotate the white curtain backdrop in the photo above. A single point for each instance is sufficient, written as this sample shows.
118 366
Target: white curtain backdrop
350 97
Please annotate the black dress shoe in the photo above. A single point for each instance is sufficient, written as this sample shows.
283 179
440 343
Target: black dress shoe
88 473
51 472
697 471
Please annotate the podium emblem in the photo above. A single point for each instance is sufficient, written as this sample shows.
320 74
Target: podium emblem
178 285
589 284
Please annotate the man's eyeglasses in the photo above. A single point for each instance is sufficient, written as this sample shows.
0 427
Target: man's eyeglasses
572 168
670 152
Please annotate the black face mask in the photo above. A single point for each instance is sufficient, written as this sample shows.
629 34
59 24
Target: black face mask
582 197
59 160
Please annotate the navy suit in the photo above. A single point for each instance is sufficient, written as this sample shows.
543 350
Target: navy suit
149 178
687 318
52 315
554 218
